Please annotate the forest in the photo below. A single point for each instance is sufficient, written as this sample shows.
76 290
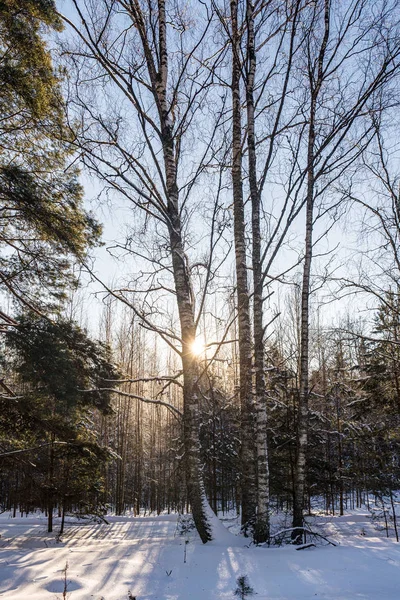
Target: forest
200 260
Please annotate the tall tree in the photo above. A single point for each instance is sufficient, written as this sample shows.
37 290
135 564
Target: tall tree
336 135
316 70
248 477
147 59
255 26
262 25
60 376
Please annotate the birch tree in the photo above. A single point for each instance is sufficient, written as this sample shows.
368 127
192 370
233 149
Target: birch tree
274 26
144 58
351 59
248 476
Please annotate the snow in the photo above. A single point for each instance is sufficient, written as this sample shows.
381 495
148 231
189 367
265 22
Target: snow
146 556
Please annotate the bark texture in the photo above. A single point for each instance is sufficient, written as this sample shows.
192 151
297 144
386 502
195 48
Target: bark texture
245 347
181 273
316 80
261 527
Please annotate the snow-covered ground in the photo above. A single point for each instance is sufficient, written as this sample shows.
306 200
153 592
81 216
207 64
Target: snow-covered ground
146 556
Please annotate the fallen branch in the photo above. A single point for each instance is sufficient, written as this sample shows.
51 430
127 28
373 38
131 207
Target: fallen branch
304 546
306 531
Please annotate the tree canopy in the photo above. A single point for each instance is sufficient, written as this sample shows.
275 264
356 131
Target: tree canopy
43 222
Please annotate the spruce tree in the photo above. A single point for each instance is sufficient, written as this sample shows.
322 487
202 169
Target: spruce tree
243 589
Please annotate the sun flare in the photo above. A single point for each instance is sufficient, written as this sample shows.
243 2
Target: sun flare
197 347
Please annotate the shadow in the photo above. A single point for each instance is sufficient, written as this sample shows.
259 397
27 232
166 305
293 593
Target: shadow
57 587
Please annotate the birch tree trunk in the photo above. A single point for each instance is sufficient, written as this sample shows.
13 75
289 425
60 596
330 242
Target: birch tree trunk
248 476
140 75
302 416
261 529
184 295
191 424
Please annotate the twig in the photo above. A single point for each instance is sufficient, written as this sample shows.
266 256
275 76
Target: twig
305 530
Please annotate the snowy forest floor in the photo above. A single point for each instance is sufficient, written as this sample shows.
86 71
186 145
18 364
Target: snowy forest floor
146 556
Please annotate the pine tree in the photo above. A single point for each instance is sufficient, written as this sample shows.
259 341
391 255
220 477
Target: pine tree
43 223
61 378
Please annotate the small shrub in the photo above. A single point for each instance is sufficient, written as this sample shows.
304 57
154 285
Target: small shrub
185 524
243 589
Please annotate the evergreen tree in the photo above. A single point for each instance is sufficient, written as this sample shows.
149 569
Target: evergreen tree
243 589
43 222
61 378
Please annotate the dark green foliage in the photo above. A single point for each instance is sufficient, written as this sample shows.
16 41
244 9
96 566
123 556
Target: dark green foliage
50 451
382 358
50 209
382 389
244 589
220 446
58 360
43 225
26 73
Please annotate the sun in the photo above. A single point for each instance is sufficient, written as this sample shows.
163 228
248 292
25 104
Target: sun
197 347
